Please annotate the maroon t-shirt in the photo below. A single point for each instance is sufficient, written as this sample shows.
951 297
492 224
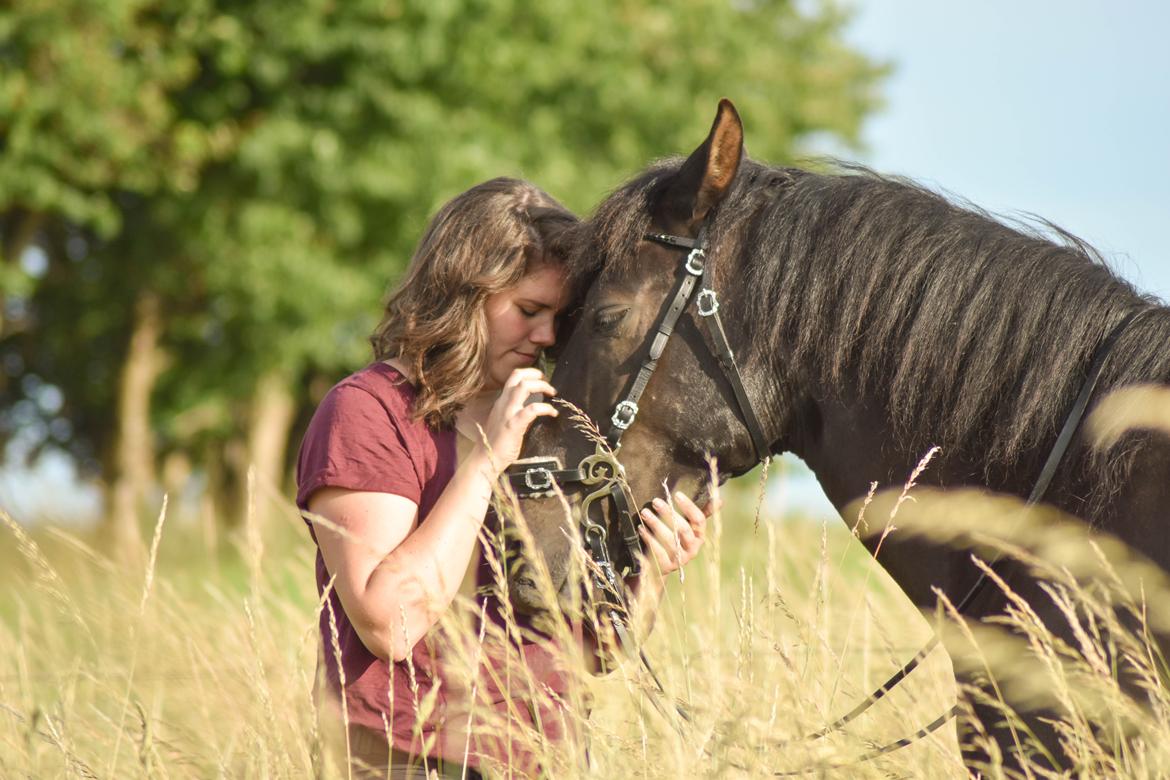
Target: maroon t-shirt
362 437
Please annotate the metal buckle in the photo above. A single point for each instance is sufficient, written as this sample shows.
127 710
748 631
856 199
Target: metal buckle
707 302
624 414
694 264
532 484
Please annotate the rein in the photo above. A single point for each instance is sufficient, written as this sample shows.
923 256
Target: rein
543 476
1051 464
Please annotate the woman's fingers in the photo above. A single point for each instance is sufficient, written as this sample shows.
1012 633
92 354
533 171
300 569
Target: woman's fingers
520 374
515 425
713 506
534 386
517 396
660 541
696 518
673 538
526 381
654 551
685 519
681 524
523 384
658 528
512 414
532 411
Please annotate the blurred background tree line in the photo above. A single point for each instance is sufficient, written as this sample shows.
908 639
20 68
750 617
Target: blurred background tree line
202 202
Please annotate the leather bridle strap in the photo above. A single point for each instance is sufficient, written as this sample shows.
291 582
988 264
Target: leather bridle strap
684 289
695 269
539 477
708 305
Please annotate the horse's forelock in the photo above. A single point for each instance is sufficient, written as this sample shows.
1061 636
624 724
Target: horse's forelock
610 237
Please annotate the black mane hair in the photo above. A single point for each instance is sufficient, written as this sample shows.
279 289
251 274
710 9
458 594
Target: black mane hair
974 333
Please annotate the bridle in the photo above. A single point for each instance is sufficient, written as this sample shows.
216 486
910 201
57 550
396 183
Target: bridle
535 477
542 476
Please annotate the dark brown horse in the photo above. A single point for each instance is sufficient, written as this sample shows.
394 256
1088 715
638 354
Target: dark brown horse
871 320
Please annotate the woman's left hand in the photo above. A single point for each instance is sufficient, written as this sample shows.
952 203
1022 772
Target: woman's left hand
673 538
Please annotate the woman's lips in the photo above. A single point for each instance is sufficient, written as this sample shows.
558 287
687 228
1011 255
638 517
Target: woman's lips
527 357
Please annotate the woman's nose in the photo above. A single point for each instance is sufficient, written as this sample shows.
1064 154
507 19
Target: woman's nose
545 333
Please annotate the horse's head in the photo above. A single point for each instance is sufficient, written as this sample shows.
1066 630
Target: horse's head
678 402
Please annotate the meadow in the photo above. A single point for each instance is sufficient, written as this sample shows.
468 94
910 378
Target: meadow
200 661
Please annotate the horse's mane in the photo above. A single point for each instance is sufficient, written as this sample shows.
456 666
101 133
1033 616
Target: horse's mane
974 333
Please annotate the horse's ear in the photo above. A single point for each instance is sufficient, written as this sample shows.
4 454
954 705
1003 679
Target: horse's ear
707 174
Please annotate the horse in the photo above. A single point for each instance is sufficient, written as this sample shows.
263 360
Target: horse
870 320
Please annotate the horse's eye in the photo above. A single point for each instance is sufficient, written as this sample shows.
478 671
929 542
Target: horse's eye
606 320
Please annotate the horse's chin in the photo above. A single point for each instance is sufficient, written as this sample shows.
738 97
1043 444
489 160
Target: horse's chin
526 597
530 602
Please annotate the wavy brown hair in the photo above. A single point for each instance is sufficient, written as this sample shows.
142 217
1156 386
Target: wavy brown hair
481 242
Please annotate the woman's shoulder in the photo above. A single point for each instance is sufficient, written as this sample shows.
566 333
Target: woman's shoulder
370 402
363 436
383 382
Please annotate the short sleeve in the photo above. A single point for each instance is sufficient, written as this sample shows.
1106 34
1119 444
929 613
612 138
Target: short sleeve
355 442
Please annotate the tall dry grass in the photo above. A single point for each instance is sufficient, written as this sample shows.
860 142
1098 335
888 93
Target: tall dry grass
202 664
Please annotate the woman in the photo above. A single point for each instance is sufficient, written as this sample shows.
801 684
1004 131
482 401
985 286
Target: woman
396 473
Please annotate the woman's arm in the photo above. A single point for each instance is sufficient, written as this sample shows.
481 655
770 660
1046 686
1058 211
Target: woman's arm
396 576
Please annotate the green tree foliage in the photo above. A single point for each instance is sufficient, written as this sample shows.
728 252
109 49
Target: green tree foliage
264 169
86 110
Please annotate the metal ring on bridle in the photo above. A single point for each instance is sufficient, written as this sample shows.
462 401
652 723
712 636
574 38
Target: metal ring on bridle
707 303
694 265
595 529
624 414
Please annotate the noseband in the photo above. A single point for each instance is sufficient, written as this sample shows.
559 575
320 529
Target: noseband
536 477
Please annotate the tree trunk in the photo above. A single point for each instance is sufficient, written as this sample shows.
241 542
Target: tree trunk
175 476
270 419
19 227
133 459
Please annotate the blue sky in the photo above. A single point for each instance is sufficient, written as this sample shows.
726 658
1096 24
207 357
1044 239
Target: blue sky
1059 109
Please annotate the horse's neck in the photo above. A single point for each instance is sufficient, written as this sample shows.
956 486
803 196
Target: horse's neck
853 448
848 449
855 444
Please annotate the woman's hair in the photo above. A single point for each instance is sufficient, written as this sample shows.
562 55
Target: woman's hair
481 242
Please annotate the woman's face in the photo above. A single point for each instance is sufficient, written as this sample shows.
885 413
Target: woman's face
521 321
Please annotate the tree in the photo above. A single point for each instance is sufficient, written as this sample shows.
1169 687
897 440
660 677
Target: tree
314 138
84 119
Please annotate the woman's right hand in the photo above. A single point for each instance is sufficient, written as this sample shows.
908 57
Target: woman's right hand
510 417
